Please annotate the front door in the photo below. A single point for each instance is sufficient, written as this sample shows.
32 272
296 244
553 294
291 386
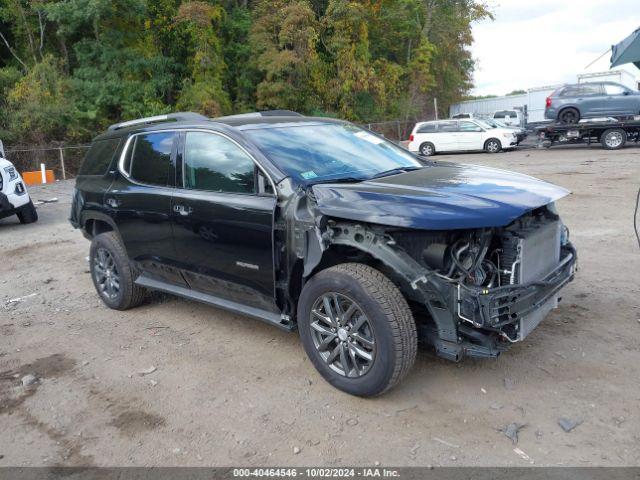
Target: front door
470 136
139 201
617 100
223 222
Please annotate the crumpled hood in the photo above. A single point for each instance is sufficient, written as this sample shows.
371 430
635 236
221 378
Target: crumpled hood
441 197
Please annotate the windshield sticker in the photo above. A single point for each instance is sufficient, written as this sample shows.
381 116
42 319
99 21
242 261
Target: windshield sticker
308 175
369 138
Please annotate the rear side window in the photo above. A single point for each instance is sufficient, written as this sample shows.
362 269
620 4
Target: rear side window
448 127
151 158
427 128
99 157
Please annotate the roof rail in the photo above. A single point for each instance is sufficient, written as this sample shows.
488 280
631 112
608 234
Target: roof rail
266 113
170 117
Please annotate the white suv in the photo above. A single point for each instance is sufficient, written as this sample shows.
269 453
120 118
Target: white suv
428 138
14 198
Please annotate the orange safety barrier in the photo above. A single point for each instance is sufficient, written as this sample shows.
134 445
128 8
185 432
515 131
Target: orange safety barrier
35 178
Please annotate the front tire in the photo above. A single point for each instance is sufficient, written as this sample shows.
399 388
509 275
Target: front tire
28 213
492 145
112 274
357 329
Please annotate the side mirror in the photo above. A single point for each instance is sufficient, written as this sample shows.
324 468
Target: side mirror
626 92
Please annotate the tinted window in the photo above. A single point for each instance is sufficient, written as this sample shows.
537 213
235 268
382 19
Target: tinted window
99 157
469 127
151 160
216 164
448 127
312 152
582 89
612 89
506 113
591 89
427 128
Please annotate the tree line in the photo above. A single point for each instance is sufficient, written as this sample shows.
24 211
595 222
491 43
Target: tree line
69 68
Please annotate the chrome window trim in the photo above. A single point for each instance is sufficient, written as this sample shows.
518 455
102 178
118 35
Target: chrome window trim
186 130
246 152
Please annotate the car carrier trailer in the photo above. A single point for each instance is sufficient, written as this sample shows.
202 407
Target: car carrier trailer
613 134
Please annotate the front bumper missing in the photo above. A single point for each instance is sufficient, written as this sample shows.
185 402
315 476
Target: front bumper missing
514 311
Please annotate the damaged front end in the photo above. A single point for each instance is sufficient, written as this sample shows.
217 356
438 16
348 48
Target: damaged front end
473 292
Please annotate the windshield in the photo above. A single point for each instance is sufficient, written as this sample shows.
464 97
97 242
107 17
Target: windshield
314 153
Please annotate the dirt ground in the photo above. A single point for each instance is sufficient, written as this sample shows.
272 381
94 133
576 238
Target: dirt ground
228 390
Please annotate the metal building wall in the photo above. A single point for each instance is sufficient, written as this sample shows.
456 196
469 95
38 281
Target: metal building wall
534 99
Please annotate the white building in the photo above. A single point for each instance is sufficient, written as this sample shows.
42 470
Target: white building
534 99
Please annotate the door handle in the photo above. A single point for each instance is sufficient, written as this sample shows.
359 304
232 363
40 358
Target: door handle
112 202
182 210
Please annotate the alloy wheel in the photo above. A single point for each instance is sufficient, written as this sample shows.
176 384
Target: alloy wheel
493 146
426 150
342 335
106 274
613 139
569 117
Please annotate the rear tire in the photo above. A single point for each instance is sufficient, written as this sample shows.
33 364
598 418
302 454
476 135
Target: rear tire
112 274
569 116
492 145
427 149
364 353
613 139
28 213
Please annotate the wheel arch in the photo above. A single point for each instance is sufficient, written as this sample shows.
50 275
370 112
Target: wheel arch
95 223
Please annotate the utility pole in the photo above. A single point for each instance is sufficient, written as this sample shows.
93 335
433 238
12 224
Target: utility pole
435 106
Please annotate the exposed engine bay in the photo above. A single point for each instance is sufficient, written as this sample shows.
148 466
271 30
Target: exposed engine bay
473 292
498 263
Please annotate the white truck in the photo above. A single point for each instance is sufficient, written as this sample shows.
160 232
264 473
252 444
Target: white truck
14 198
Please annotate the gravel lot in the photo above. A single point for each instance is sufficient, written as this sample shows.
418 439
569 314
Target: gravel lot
233 391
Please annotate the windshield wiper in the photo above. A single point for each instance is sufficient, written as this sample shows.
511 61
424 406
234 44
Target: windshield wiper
339 180
393 171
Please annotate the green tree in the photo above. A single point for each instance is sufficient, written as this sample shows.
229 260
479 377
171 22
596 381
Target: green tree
203 88
284 37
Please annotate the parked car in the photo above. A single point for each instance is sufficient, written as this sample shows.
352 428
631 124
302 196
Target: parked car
348 238
461 116
570 103
14 197
429 138
513 118
521 133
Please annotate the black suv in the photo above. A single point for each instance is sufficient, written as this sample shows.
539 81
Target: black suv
317 224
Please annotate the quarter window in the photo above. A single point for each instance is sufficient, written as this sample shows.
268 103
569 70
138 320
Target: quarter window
151 158
99 157
216 164
427 128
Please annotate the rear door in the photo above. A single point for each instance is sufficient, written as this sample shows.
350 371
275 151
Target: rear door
446 136
139 201
591 100
222 214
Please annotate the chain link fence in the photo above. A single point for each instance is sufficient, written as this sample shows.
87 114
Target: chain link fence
65 161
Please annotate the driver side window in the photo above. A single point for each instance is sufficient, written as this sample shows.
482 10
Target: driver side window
215 164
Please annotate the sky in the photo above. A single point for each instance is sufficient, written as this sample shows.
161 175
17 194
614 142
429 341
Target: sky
534 43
